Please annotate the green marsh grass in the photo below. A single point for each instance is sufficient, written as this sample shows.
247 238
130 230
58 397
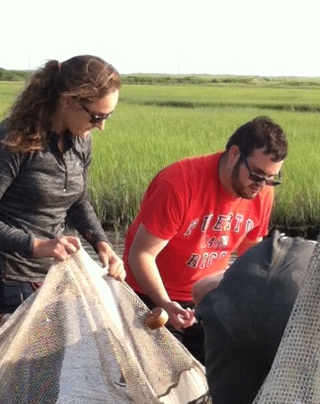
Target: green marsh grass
155 125
9 91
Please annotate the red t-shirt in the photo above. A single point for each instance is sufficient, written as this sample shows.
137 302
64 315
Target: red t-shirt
187 204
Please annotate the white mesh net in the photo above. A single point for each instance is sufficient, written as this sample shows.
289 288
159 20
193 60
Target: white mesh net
81 338
295 374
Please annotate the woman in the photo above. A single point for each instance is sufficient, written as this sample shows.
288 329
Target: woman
45 151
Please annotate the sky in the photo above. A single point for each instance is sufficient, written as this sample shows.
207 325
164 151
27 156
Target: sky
248 37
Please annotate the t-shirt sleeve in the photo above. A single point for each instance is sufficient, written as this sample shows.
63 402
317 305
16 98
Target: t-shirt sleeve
162 210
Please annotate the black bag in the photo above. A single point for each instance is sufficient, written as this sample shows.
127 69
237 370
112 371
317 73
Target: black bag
245 317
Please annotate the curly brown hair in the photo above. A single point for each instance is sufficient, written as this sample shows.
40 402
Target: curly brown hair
261 132
84 78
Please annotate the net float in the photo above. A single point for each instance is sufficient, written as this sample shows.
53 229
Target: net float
156 318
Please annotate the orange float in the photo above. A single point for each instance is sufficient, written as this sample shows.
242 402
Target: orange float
156 318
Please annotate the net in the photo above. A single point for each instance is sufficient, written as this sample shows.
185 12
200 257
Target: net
295 374
81 338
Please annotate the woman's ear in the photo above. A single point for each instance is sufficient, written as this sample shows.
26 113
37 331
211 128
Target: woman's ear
67 102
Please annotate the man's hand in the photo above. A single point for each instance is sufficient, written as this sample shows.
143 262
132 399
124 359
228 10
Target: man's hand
110 260
178 316
58 248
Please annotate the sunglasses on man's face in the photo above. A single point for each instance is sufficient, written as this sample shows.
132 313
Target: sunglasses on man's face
259 178
96 118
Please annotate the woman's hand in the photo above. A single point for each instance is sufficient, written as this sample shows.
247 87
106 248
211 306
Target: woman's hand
58 248
110 260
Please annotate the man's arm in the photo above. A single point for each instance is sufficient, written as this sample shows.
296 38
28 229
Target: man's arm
246 244
142 261
203 286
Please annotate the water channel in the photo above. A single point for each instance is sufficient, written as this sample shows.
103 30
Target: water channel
116 239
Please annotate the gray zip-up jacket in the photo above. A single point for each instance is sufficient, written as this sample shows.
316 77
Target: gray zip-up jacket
38 192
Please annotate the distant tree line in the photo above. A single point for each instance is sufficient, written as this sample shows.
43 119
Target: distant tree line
14 75
198 79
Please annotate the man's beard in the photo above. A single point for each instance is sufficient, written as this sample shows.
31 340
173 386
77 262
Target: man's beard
237 185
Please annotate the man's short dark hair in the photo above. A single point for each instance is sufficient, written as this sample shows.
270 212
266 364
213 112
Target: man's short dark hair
260 133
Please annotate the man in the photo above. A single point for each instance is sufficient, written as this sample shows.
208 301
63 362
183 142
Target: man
245 316
194 214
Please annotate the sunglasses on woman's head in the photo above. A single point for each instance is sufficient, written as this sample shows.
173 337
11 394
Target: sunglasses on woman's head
95 118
